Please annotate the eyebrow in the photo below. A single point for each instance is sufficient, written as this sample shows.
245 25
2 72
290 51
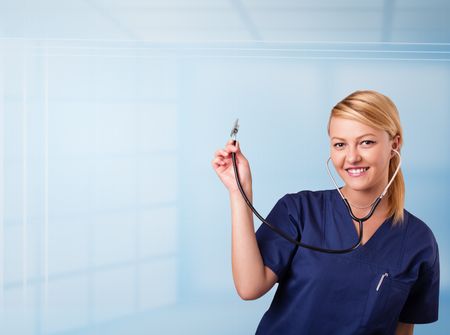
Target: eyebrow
339 138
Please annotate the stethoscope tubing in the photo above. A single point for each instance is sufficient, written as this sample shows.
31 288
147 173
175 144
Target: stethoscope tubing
298 242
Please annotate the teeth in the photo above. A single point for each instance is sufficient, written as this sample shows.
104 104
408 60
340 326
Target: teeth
357 170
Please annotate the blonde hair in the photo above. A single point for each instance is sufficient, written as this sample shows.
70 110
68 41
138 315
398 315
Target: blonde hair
378 111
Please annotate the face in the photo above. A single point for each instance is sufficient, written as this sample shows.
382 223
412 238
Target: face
361 154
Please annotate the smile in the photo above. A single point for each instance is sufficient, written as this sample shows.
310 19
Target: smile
357 172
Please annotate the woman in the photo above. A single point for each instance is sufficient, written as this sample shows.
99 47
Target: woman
386 285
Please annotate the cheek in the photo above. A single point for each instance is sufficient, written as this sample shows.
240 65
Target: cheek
379 159
338 159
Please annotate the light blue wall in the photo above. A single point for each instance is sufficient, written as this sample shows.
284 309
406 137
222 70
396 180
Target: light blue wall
112 219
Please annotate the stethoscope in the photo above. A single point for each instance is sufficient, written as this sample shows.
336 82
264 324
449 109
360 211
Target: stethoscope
374 205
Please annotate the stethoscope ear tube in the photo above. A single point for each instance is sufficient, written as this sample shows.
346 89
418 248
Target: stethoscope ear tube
367 217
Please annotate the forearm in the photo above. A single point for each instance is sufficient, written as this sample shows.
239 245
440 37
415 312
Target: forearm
247 264
404 329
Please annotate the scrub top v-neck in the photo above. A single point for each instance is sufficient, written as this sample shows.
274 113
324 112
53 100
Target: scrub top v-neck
393 277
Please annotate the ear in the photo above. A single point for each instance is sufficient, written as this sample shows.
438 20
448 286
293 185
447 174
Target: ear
396 144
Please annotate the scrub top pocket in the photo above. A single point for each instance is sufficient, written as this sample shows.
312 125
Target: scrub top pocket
386 298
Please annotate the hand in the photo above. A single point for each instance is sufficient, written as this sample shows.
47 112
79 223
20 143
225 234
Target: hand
223 165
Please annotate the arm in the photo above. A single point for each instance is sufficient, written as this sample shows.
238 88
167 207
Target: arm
252 278
404 329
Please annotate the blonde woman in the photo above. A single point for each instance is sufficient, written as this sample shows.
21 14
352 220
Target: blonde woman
386 285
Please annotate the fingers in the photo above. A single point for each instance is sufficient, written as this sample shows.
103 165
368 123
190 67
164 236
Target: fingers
222 157
217 162
230 147
230 141
222 153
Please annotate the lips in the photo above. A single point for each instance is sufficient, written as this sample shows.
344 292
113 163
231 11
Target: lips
356 172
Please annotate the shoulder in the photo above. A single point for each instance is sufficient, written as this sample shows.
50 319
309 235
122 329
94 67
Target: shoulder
308 195
306 200
415 227
302 204
420 241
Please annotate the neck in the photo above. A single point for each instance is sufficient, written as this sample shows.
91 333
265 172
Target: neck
366 198
362 198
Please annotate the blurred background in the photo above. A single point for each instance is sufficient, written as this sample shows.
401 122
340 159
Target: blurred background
112 220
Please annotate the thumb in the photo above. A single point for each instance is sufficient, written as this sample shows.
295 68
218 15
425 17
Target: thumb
238 149
239 152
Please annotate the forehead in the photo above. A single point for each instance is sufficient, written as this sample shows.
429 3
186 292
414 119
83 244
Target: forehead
351 129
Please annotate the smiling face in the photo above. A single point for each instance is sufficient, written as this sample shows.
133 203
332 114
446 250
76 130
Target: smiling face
361 155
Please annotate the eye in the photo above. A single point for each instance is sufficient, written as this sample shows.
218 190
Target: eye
367 142
338 145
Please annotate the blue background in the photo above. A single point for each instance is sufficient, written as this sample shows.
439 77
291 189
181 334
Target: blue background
112 220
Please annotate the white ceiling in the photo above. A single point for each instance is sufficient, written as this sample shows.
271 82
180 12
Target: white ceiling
228 20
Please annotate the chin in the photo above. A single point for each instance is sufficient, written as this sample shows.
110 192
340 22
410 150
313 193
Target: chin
358 189
361 187
357 186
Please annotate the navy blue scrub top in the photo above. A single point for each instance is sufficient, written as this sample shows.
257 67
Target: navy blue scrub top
392 277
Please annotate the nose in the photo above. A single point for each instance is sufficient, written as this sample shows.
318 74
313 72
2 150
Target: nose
353 155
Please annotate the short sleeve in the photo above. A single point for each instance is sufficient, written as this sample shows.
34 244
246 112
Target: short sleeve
422 304
275 250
